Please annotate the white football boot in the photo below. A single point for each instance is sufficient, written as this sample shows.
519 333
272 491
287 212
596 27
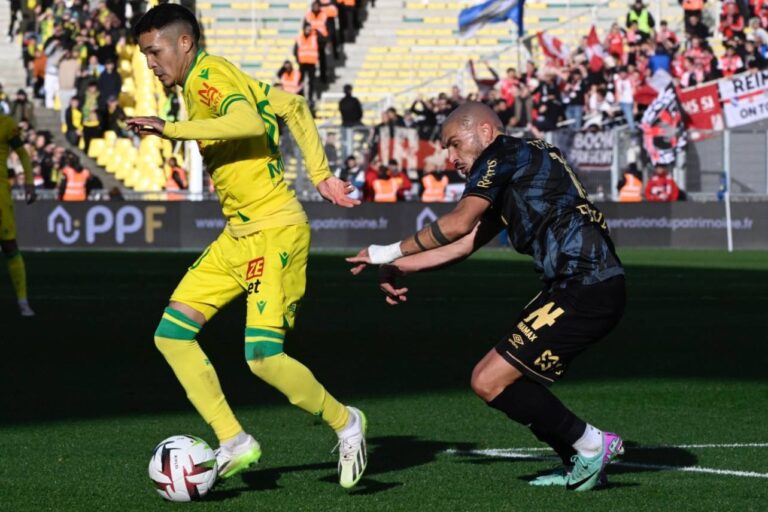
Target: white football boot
353 456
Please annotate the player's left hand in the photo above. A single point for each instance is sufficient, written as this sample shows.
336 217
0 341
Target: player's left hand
335 190
30 194
363 259
146 125
388 275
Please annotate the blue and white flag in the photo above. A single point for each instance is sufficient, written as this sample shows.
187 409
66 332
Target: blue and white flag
474 18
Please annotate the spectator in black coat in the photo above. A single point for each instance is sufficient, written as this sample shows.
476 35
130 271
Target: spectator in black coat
351 109
110 84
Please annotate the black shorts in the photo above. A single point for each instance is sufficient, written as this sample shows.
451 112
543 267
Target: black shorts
559 324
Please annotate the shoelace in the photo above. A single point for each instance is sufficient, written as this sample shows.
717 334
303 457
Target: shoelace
578 465
347 449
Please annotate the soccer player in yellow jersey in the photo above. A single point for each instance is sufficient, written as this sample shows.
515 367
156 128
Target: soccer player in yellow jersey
10 140
263 249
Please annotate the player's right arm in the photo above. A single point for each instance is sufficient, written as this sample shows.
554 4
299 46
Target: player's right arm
240 121
434 259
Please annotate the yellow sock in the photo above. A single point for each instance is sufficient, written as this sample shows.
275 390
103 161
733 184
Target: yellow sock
18 273
264 353
175 338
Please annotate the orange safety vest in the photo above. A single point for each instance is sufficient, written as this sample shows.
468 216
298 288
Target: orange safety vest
384 191
693 5
170 183
317 22
329 9
291 82
308 50
75 190
434 189
632 191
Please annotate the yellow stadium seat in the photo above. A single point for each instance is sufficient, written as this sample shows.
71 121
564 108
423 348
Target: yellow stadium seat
96 147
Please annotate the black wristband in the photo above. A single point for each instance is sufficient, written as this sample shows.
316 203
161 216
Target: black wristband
418 242
438 235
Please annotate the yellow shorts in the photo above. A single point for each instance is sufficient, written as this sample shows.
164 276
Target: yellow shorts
7 220
270 266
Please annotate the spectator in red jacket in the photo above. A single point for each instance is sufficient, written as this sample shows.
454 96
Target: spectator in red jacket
661 187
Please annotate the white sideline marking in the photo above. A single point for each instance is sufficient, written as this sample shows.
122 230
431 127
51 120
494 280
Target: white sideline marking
648 447
525 453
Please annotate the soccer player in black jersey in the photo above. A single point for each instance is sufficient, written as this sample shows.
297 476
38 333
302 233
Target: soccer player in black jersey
527 188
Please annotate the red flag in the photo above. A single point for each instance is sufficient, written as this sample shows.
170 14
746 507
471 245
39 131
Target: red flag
595 51
553 47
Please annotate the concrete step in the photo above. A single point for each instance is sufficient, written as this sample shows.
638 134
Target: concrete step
50 120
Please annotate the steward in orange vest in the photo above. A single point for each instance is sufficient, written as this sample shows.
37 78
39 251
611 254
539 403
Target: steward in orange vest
290 79
332 13
434 188
384 188
630 186
74 183
307 55
317 19
177 177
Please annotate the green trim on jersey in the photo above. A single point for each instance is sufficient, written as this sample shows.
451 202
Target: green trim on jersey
229 100
200 52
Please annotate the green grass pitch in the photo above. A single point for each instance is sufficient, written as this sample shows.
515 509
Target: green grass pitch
85 396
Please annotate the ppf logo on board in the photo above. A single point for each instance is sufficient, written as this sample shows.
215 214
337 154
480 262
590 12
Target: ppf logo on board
101 223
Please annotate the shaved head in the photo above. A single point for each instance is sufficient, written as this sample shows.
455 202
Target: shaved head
473 113
467 132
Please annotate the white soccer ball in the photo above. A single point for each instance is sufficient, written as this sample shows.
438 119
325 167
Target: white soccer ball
183 468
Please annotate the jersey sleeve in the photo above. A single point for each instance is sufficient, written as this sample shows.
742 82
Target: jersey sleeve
490 174
215 90
293 109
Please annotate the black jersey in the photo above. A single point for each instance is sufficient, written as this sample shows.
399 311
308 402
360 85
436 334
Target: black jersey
545 210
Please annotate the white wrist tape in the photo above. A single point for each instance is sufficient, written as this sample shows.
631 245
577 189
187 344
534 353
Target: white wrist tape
381 254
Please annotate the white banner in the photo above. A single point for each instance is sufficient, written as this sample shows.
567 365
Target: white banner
745 98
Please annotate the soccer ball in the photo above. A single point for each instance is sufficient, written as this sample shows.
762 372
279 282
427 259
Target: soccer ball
183 468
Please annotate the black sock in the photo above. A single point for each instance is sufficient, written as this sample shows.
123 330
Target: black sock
564 450
531 404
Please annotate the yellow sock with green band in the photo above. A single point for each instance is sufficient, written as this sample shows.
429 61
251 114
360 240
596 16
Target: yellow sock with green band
265 356
175 338
18 273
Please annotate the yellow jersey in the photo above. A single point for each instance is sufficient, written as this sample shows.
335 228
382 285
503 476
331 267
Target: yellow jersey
249 173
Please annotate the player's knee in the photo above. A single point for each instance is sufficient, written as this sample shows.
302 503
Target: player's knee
484 385
264 351
266 367
174 327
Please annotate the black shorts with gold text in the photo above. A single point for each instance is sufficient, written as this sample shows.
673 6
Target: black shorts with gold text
559 324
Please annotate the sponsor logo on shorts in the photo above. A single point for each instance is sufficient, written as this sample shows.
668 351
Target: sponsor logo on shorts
517 341
527 331
547 360
254 287
255 269
261 305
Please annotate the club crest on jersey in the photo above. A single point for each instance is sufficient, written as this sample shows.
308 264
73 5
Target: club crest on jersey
490 172
255 269
209 95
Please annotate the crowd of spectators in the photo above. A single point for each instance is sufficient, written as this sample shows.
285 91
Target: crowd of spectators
582 91
590 88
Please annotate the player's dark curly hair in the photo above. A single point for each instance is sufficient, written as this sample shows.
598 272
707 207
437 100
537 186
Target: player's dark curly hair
164 15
